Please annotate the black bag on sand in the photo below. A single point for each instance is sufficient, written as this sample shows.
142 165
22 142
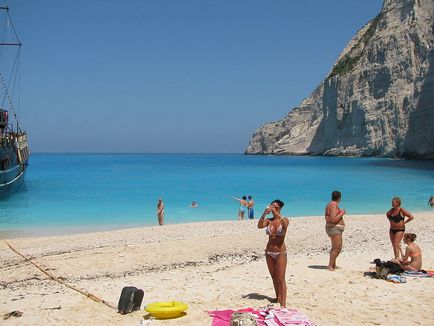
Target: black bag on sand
130 300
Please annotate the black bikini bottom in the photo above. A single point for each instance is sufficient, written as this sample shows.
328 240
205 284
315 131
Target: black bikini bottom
397 230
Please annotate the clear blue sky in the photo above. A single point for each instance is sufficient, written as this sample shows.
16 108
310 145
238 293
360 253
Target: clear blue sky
172 76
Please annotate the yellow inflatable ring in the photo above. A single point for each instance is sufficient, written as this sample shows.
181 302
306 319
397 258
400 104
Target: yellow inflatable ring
165 310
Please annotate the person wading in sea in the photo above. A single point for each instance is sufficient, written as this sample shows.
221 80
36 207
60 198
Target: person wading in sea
160 211
250 210
242 208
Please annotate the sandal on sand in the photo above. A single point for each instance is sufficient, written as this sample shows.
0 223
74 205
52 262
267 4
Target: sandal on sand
14 313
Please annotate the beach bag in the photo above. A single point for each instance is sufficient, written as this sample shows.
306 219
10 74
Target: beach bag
243 319
130 300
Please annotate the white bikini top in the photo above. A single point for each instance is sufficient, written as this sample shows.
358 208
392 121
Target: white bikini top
279 231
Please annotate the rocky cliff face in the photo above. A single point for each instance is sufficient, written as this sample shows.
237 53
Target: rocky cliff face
377 100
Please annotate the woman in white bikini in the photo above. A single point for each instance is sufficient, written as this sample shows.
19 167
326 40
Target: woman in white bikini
275 253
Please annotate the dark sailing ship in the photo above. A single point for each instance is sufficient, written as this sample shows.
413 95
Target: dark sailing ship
14 150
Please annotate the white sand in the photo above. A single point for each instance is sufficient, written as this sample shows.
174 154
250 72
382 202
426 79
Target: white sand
215 265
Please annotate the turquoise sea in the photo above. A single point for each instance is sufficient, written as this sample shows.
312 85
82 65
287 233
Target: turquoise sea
84 192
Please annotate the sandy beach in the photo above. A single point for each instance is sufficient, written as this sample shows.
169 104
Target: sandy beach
214 265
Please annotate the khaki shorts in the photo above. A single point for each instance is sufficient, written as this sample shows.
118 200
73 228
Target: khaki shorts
334 230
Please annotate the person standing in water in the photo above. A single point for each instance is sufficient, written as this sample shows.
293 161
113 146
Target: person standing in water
242 208
334 227
250 210
160 211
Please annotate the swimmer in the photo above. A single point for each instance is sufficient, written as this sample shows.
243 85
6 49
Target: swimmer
194 204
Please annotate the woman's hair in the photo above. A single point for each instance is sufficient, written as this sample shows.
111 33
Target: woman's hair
279 202
410 236
336 195
250 197
244 197
397 199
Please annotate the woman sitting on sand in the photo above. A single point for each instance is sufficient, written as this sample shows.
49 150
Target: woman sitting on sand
334 227
396 216
412 251
275 252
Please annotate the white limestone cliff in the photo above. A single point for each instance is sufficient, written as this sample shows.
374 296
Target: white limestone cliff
378 100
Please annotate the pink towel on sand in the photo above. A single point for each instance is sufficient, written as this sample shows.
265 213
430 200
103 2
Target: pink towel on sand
223 317
291 317
282 317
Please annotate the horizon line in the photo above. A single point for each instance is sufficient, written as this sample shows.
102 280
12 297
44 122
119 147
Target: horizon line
135 153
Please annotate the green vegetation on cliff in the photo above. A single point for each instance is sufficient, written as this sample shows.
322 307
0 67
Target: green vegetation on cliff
349 61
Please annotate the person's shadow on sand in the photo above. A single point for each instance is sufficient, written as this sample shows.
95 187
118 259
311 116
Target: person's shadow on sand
318 266
257 296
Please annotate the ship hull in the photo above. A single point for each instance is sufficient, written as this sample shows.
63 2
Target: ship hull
14 149
11 180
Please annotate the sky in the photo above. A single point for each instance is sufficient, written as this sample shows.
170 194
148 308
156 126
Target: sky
177 76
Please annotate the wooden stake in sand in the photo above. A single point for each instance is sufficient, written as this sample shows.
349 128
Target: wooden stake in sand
57 279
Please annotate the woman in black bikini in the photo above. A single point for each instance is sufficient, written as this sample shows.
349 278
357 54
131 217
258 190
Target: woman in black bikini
275 253
396 216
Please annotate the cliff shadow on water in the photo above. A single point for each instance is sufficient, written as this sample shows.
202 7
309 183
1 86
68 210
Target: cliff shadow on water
421 121
421 165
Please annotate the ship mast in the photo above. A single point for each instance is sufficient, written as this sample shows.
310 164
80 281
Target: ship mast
6 8
2 81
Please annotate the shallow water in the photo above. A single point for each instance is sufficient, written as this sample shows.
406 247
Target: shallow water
73 192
